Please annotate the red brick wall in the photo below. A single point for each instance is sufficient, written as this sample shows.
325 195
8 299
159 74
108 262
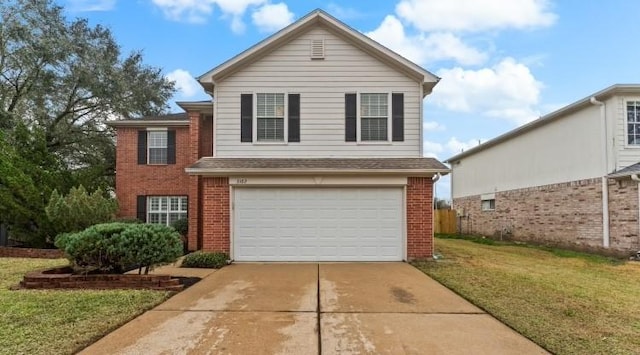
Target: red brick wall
215 214
419 217
194 183
565 214
133 179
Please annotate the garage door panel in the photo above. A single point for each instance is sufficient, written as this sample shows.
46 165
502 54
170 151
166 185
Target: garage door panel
317 224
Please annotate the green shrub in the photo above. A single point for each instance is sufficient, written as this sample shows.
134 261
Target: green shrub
202 259
79 209
181 226
116 247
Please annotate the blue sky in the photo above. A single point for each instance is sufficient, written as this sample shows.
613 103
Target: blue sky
502 62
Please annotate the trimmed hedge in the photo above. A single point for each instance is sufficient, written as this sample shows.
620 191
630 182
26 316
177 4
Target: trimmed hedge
202 259
116 247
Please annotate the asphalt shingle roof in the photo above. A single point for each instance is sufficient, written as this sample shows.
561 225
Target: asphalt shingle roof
213 165
629 170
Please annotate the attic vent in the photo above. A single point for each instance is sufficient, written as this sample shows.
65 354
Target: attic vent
317 49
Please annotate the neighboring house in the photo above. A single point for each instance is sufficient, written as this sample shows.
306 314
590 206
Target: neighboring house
569 178
310 151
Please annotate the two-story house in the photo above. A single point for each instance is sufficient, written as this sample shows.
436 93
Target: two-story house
569 178
310 150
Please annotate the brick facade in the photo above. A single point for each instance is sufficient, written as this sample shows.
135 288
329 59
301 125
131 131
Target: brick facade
209 198
623 215
133 179
419 217
216 214
565 214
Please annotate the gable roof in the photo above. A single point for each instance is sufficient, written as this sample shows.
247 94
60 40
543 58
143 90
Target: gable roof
551 117
316 17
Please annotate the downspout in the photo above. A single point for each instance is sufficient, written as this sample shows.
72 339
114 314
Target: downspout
605 170
636 178
434 179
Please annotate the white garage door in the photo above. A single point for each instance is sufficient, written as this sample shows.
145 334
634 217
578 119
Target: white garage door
317 224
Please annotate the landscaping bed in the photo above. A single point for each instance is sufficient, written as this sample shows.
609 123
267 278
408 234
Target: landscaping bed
63 277
567 302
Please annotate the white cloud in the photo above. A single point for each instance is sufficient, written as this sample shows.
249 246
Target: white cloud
90 5
272 17
432 149
422 48
507 90
476 15
186 85
192 11
455 146
197 11
433 126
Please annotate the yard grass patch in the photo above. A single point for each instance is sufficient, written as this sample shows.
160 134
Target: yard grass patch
61 321
569 303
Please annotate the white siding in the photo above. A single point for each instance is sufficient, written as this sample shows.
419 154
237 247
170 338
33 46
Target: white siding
565 150
625 154
322 85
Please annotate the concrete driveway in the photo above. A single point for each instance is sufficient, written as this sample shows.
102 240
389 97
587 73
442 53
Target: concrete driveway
341 308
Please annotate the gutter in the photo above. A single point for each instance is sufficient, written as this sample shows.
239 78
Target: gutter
605 180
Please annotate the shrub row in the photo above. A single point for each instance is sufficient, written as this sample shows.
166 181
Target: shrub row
202 259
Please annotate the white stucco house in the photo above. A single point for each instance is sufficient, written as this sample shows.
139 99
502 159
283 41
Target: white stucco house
569 178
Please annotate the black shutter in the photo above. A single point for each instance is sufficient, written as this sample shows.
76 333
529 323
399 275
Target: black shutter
142 147
350 117
294 118
171 147
397 117
141 208
246 118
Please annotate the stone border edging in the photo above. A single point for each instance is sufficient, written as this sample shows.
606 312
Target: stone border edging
62 278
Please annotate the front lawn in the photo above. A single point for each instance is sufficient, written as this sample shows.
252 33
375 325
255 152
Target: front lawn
64 321
569 303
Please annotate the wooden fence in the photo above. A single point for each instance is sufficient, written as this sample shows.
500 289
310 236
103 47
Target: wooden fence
445 221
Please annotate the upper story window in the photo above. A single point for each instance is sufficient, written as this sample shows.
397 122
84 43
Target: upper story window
157 146
374 117
374 113
276 118
633 122
270 117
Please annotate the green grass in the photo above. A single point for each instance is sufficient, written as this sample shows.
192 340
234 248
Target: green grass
61 321
568 302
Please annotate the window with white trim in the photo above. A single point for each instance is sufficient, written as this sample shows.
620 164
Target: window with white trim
166 209
489 204
633 122
270 114
157 147
374 117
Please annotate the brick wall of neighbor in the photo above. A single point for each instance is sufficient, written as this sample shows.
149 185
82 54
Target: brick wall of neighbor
566 214
133 179
419 217
623 214
215 214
